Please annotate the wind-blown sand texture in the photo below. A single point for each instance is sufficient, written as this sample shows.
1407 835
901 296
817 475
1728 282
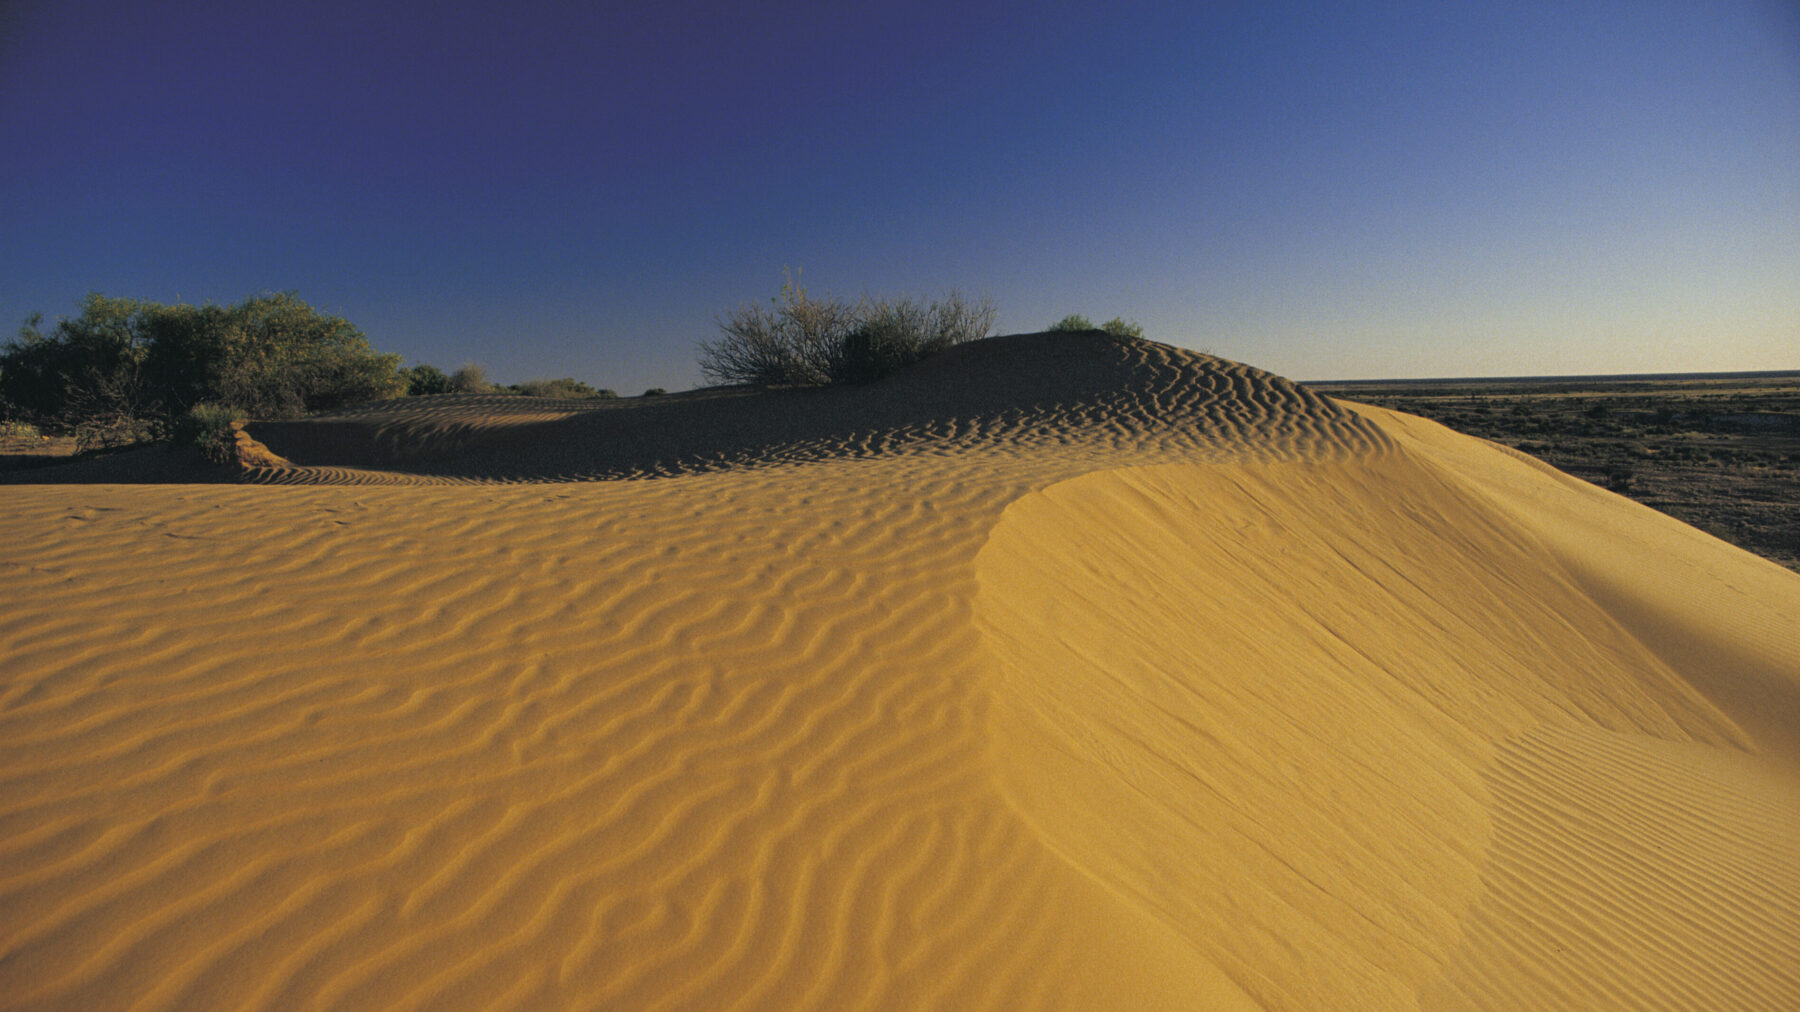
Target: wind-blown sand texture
1055 672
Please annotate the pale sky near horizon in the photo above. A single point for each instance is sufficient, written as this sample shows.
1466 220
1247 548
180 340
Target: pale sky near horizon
1326 190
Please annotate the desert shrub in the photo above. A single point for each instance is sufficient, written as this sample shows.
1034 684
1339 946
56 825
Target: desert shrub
893 334
790 343
110 430
424 380
470 379
209 428
272 355
565 387
89 367
1074 321
126 369
1118 326
872 351
802 341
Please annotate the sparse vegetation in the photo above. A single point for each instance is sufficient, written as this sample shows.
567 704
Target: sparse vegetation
470 379
565 387
111 430
210 428
125 370
799 340
424 380
1118 326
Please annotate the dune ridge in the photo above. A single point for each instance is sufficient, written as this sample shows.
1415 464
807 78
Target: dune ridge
1024 392
1054 672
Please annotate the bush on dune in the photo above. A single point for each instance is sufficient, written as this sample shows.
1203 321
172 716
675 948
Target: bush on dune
799 340
565 387
1118 326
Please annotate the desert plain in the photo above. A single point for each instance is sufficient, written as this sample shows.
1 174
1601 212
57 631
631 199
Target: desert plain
1055 671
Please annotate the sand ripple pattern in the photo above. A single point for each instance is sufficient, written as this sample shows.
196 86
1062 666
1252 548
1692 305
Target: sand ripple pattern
1633 873
1067 394
703 743
651 750
1056 672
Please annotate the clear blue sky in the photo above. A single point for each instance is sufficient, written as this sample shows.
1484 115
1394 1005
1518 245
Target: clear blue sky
1328 190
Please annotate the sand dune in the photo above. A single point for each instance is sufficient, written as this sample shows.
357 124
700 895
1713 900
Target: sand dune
1055 672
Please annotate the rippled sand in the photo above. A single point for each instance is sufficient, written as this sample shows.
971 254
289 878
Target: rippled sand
1055 672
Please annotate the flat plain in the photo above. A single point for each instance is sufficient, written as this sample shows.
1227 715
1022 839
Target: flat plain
1718 451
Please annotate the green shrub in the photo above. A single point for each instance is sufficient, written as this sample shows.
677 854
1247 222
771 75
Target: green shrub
565 387
273 355
655 392
126 367
210 428
424 380
1119 327
19 430
89 367
802 341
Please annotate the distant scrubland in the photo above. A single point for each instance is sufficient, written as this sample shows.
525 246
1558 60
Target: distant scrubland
1719 453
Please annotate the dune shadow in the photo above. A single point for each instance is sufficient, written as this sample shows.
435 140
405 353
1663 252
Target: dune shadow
993 390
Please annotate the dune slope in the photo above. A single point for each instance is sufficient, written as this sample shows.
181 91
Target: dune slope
1054 672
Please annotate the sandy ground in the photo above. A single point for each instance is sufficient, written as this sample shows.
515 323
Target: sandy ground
1054 673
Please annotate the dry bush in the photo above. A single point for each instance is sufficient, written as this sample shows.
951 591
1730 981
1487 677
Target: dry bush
801 341
470 379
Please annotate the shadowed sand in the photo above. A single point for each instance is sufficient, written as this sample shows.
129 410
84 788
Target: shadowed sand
1055 672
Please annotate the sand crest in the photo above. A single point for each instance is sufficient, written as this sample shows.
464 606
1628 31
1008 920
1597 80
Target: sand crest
1056 672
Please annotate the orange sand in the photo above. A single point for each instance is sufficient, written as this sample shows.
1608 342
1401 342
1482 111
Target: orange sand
1052 673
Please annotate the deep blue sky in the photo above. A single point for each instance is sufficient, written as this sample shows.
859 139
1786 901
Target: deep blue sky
1328 190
